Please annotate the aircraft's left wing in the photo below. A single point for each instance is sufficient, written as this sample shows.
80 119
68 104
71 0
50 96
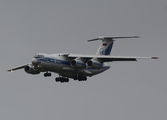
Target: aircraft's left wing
17 68
108 58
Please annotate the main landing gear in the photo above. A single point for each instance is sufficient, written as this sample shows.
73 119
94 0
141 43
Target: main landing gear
61 79
64 79
80 78
47 74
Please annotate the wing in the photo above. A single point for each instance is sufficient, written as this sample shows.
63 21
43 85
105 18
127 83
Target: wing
107 58
17 68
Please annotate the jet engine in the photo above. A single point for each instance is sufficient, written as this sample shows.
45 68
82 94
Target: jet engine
94 64
30 69
77 63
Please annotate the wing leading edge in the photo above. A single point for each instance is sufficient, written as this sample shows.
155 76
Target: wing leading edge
107 58
17 68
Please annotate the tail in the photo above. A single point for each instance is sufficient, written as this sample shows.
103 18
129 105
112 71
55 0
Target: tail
107 44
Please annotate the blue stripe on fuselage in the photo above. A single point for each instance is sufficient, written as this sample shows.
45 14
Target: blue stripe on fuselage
62 62
51 60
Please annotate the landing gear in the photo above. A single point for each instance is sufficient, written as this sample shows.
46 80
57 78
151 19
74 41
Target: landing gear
66 79
47 74
61 79
80 78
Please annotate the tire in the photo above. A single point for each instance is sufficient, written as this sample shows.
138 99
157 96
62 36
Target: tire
45 75
57 79
49 74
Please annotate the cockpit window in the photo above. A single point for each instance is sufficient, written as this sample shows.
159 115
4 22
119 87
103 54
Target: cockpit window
38 56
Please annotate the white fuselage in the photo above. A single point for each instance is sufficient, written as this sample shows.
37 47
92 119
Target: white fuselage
61 65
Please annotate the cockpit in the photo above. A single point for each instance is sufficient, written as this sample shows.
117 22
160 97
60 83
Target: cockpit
39 56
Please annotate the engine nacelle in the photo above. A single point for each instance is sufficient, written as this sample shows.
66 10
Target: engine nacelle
29 69
77 63
94 64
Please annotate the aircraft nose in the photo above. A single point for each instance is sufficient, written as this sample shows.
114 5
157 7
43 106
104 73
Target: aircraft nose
34 61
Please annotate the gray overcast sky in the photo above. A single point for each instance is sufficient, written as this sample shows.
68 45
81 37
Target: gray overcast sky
127 91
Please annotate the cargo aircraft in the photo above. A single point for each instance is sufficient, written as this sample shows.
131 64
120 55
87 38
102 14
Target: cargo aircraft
76 66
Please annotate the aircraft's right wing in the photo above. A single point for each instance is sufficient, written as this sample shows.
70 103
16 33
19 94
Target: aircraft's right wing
17 68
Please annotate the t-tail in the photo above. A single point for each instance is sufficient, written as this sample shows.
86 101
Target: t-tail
107 44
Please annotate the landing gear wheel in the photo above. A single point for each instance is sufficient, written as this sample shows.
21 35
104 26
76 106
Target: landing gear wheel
57 79
47 74
75 78
80 78
61 79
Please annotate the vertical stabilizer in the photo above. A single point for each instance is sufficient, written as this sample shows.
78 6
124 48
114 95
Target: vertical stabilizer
107 44
105 48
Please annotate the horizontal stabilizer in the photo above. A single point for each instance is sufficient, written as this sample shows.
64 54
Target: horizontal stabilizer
111 38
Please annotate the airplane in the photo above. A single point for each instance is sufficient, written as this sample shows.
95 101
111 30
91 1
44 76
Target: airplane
76 66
